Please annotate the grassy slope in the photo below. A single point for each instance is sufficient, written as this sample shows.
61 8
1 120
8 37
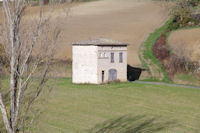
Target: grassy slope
77 108
148 53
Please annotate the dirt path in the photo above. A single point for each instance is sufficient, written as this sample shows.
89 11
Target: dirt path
186 43
128 21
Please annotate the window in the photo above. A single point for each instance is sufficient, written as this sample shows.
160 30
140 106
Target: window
99 55
102 55
121 57
112 58
105 55
102 76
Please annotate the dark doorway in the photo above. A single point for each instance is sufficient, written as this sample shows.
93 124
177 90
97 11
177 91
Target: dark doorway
112 76
102 73
133 73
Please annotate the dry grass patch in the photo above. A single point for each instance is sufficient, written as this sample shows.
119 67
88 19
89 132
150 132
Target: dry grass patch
186 43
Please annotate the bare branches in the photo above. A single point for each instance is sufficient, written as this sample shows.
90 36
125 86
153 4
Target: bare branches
29 42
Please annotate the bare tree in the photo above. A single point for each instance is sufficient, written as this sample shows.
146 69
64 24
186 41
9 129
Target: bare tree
29 40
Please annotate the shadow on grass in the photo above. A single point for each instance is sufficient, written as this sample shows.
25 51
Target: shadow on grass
133 124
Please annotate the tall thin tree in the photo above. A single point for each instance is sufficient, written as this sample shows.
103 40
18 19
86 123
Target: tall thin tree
29 40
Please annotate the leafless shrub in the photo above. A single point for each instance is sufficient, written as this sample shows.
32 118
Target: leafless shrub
160 50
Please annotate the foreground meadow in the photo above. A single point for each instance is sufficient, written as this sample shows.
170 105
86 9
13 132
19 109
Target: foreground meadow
119 108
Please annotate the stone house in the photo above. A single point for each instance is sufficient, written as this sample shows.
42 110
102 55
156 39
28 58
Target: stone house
99 61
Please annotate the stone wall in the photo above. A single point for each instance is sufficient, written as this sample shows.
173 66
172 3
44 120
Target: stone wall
84 64
104 62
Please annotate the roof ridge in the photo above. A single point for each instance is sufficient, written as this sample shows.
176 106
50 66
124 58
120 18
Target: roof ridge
99 41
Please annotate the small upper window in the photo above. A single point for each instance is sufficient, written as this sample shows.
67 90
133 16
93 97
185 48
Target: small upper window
112 58
121 57
102 55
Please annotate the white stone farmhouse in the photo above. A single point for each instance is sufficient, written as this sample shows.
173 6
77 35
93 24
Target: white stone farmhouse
99 61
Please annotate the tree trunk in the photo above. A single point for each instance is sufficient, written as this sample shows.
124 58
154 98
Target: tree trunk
5 116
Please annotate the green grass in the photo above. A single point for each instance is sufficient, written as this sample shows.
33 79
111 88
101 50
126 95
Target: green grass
186 78
120 107
148 53
190 78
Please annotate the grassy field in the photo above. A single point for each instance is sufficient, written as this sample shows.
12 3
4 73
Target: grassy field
120 108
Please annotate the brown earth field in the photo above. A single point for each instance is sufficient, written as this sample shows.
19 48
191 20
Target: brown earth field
129 21
186 43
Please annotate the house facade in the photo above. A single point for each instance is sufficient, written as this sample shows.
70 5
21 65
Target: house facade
99 61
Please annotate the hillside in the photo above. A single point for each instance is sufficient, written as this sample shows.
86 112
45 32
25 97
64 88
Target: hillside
128 21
